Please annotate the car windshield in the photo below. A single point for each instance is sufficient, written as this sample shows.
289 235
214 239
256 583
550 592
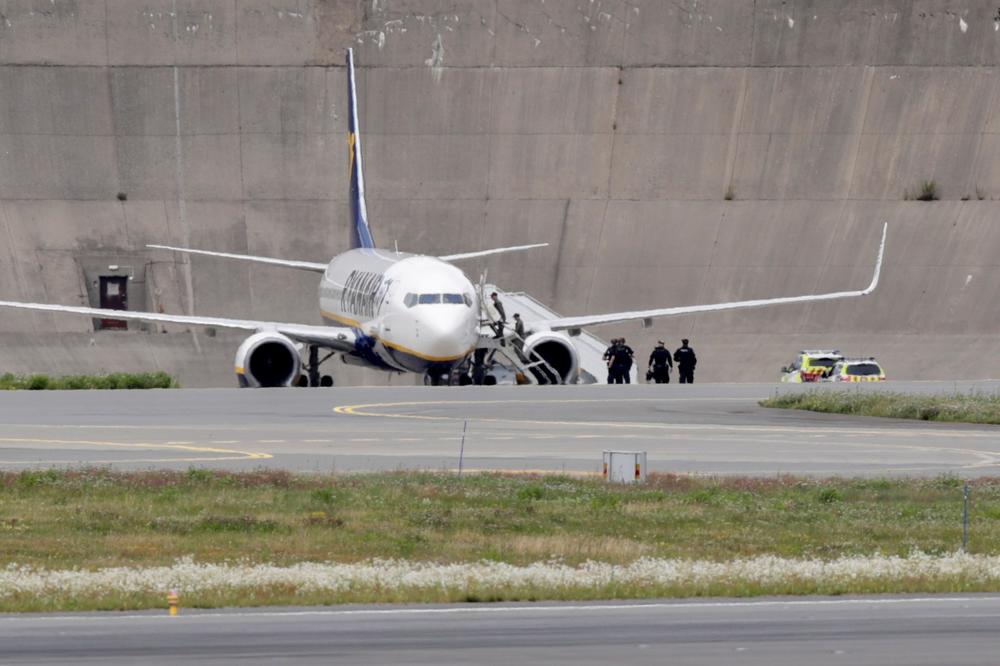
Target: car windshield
863 369
822 362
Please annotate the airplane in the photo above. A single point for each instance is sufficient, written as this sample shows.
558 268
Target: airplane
404 312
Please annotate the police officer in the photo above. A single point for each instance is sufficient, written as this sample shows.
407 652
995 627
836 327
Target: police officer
660 364
686 361
622 361
519 331
609 355
498 325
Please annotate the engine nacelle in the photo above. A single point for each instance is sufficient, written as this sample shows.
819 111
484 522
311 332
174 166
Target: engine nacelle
267 359
561 358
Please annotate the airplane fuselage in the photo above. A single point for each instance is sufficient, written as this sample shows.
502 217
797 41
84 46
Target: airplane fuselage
411 312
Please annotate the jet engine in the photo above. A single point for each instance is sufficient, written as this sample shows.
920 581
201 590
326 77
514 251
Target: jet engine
560 357
267 359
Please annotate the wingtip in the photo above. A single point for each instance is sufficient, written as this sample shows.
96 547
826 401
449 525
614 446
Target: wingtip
878 261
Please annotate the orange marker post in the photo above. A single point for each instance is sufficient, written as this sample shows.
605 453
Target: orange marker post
172 602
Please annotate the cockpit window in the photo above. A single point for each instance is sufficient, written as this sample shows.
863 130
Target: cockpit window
431 299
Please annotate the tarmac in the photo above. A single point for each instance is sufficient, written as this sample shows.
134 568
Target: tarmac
709 429
958 630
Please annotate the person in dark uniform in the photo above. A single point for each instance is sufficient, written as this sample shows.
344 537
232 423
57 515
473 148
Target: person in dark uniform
609 355
686 361
622 361
518 325
479 367
519 330
660 364
498 325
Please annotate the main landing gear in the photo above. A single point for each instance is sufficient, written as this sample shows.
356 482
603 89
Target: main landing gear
312 376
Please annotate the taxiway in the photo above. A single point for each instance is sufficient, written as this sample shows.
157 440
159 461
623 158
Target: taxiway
703 429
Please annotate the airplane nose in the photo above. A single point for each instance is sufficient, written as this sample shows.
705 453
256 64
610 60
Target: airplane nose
448 334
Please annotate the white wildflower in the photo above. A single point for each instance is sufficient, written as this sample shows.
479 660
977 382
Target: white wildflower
187 576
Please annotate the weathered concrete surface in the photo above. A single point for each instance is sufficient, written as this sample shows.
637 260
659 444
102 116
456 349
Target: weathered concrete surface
708 429
613 130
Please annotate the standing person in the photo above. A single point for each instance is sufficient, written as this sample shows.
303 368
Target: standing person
502 316
609 355
660 364
623 362
686 361
519 330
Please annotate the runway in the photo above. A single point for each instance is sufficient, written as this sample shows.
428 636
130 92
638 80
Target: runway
699 429
958 630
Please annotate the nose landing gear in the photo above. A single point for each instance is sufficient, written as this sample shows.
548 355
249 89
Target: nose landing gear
448 375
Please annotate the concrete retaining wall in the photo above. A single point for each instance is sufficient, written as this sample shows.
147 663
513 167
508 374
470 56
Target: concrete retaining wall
613 130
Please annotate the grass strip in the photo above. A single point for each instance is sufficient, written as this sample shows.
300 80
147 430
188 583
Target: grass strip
955 408
237 584
115 380
66 521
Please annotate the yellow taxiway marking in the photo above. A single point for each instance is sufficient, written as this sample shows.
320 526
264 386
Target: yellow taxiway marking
224 454
365 410
984 458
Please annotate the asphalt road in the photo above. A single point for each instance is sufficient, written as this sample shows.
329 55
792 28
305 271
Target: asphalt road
708 429
775 632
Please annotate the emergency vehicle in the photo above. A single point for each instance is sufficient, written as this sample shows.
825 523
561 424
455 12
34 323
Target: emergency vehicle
857 370
811 365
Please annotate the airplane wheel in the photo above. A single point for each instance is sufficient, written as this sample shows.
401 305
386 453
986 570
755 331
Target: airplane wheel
326 381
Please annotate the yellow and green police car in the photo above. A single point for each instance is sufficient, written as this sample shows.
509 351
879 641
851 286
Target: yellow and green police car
858 370
811 365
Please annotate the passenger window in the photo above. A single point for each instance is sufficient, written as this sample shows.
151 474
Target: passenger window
410 300
453 299
429 299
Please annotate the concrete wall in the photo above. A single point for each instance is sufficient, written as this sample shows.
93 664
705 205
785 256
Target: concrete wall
613 130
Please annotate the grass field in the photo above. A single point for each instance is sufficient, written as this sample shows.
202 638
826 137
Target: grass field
91 520
115 380
956 408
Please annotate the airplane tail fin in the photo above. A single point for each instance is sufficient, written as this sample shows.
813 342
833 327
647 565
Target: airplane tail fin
361 235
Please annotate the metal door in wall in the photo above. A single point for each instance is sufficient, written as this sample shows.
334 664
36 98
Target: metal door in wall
114 296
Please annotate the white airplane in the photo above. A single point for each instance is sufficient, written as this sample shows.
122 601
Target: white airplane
401 312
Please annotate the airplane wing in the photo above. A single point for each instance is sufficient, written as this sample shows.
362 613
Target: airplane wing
287 263
339 338
483 253
576 323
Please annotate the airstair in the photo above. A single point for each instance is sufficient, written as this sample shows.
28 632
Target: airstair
590 348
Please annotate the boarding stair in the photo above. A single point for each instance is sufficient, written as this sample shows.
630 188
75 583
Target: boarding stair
590 348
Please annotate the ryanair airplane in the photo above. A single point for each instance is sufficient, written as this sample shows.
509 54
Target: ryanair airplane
403 312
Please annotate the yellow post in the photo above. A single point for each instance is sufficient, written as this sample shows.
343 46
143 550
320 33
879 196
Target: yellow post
172 602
